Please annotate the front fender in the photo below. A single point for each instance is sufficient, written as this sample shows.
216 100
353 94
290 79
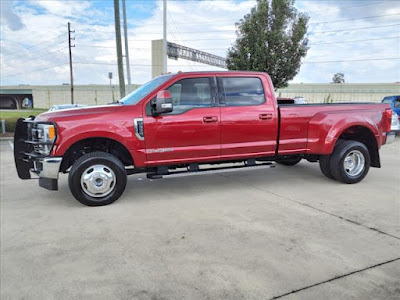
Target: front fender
325 128
70 135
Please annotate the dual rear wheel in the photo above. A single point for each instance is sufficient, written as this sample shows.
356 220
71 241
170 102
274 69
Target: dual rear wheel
349 162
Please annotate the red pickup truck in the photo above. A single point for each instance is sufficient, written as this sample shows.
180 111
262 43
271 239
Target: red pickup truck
196 122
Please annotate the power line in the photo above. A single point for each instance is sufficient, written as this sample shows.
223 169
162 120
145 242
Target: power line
38 57
227 30
312 44
309 11
11 56
191 63
44 42
345 7
360 28
350 60
34 37
36 50
306 62
353 19
366 40
36 70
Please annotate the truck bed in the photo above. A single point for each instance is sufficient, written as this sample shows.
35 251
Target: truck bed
296 133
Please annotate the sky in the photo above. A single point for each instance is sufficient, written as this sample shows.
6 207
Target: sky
360 38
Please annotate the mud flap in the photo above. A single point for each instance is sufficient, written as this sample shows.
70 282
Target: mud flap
48 183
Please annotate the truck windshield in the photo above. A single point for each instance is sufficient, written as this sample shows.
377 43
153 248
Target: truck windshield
144 90
388 100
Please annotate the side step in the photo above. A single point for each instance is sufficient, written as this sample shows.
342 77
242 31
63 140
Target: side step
194 169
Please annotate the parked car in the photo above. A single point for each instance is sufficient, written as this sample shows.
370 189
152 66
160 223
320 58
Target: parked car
395 127
300 100
296 100
394 102
181 123
65 106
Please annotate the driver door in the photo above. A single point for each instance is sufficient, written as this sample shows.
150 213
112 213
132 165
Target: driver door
191 132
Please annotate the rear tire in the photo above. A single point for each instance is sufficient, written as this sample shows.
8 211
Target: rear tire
97 178
289 161
350 162
324 165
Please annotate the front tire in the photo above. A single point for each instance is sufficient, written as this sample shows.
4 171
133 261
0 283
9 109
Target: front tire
97 178
350 162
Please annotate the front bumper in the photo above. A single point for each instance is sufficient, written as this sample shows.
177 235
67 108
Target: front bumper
28 161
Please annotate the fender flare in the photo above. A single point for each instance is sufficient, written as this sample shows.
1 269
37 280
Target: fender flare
325 129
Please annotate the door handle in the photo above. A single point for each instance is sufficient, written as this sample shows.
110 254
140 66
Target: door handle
265 116
210 119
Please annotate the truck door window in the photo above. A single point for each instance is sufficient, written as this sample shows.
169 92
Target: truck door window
242 91
397 103
190 93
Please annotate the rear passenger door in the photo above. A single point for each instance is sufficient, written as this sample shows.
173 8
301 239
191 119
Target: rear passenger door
249 120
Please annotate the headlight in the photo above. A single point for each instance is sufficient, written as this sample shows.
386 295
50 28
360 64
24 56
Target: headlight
46 132
46 136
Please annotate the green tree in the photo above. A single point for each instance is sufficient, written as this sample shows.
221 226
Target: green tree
271 38
338 78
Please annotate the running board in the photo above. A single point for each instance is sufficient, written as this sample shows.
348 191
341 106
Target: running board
194 169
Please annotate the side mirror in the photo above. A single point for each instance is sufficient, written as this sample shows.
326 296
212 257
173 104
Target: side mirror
162 103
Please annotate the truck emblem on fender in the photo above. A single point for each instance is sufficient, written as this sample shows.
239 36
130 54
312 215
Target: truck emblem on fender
160 150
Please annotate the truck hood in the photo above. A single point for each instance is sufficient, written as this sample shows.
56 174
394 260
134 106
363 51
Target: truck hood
80 111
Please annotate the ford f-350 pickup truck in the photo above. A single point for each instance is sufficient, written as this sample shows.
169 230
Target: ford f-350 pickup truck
196 122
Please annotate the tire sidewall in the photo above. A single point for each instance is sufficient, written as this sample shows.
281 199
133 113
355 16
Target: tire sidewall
81 166
338 170
324 165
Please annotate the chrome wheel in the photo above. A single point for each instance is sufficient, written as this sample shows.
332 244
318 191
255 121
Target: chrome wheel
354 163
98 181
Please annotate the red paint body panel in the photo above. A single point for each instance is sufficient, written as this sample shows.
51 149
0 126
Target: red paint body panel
314 129
231 133
244 131
184 136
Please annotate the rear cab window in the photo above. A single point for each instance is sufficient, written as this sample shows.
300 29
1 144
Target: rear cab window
240 91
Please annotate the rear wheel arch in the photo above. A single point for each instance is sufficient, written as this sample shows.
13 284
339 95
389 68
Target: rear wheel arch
93 144
365 136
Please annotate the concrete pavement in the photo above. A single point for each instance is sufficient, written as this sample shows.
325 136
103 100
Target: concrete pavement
287 233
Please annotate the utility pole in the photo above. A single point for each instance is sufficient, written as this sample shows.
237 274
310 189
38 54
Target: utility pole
128 67
119 49
165 37
71 75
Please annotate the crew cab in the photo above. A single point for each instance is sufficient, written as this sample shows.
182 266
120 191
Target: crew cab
196 122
